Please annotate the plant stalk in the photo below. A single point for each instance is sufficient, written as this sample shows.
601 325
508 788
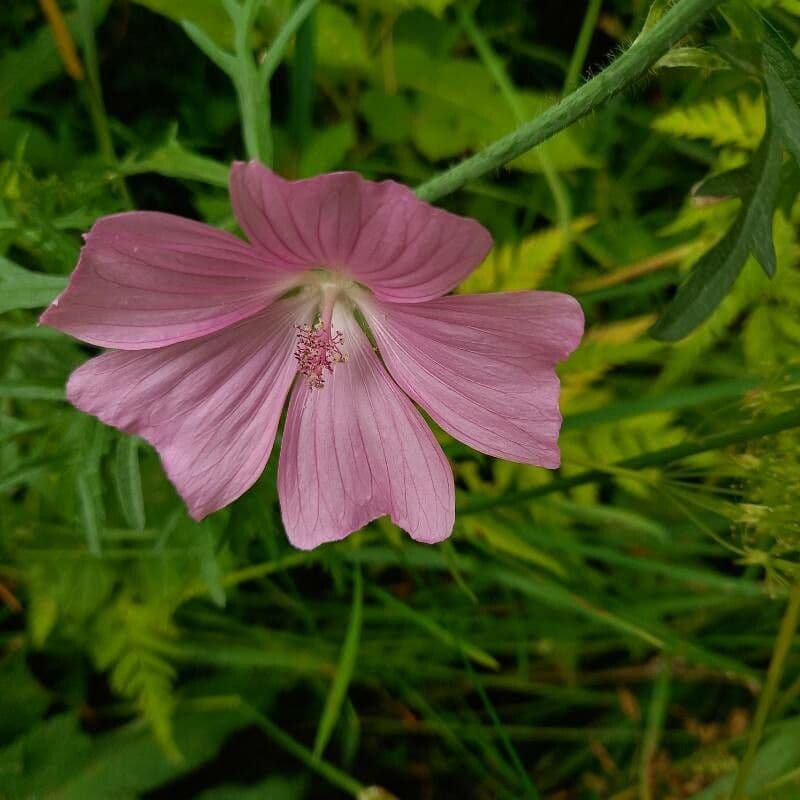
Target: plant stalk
783 644
630 66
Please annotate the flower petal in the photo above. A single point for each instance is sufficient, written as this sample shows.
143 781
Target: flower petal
357 449
482 366
147 280
380 234
210 406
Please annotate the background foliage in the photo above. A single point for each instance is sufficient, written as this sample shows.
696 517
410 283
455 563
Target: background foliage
604 632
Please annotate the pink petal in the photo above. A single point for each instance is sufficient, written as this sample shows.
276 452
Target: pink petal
148 280
482 366
380 234
357 449
210 406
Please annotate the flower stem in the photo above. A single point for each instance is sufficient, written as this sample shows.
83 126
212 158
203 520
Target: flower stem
252 89
783 644
630 66
250 80
276 51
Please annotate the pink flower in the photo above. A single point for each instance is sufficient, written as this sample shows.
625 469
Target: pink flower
208 335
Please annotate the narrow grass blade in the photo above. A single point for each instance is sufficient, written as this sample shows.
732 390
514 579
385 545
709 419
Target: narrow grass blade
437 631
344 672
128 482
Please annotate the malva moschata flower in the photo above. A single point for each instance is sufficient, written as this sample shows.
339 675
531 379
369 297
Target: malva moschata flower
208 334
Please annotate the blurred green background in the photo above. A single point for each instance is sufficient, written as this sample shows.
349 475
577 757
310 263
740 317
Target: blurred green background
603 632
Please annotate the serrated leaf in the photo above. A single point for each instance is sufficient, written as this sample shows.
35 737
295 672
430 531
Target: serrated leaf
722 121
525 264
750 233
782 76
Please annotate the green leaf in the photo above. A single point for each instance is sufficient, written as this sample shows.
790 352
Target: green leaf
778 756
40 148
47 756
393 7
327 149
132 641
439 632
128 482
87 512
69 591
388 116
24 70
750 233
57 761
24 699
447 121
723 184
173 160
344 671
208 15
782 76
209 566
339 43
737 122
744 20
276 788
695 57
21 288
26 390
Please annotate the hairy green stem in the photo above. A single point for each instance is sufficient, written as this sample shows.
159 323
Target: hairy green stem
630 66
656 458
783 643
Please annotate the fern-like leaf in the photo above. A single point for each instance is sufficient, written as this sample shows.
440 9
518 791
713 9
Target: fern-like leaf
132 642
525 264
737 122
